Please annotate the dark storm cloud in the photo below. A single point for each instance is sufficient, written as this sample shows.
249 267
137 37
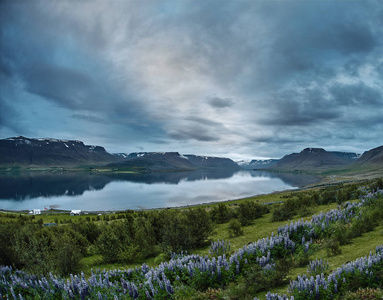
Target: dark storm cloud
159 142
203 121
279 71
379 70
69 88
277 139
353 37
358 94
4 68
220 102
300 108
47 57
194 132
9 117
309 41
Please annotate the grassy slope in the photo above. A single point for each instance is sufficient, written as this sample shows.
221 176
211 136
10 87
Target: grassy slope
261 228
360 246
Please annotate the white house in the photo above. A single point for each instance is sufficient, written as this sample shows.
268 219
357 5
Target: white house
35 212
75 212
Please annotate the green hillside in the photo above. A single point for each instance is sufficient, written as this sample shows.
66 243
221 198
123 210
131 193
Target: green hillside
263 252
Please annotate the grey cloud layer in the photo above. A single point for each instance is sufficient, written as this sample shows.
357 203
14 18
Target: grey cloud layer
256 78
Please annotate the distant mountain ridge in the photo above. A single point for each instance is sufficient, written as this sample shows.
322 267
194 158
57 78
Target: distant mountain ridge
51 152
314 158
212 162
257 164
32 152
156 161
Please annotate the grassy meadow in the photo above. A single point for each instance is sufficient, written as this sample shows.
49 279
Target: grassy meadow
129 239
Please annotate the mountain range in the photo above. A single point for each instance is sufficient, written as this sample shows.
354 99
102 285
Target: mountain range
29 152
51 152
314 158
47 152
165 161
319 159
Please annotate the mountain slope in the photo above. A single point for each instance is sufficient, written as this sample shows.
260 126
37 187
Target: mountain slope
168 161
51 152
371 158
349 155
212 162
312 158
156 161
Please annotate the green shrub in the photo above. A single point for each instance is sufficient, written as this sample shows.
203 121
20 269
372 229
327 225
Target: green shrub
235 228
87 229
256 280
342 196
70 248
34 247
304 200
8 253
199 227
282 212
248 211
364 293
328 197
301 258
305 211
332 247
221 213
145 239
341 234
185 230
185 292
109 245
362 225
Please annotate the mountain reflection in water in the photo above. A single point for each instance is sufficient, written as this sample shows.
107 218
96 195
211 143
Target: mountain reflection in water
24 187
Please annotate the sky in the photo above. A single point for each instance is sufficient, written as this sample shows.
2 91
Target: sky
238 79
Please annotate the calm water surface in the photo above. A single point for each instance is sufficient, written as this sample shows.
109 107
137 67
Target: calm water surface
93 192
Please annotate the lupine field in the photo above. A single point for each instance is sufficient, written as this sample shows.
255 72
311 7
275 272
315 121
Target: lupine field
220 267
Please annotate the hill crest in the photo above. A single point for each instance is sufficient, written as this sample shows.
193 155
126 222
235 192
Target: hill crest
313 158
371 157
51 152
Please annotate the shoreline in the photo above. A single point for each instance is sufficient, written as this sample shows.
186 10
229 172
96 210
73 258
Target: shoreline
95 212
92 212
326 181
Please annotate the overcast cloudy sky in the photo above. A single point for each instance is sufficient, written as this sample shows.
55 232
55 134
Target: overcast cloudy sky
226 78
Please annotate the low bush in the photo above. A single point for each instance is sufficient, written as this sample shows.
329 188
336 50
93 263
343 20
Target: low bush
256 280
235 228
341 233
283 212
248 211
305 211
332 247
221 213
364 293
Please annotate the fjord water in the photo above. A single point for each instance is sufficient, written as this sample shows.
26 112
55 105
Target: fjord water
110 192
